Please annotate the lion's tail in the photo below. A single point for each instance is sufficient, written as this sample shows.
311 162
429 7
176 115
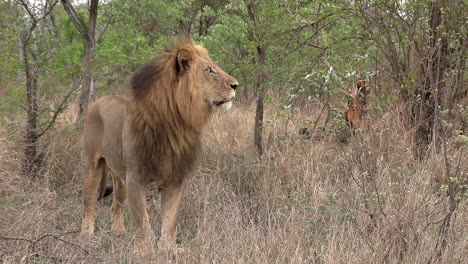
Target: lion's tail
104 190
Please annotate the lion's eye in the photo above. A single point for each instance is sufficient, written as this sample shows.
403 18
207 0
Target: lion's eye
211 70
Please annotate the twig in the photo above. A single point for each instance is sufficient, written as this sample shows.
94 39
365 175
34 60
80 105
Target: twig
74 244
54 236
105 27
16 238
61 106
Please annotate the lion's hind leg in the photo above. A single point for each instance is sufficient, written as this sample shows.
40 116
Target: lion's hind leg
93 174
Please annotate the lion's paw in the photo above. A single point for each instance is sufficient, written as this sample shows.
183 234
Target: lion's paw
87 230
118 229
144 250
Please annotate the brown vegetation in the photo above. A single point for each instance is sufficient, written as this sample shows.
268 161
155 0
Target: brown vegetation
370 201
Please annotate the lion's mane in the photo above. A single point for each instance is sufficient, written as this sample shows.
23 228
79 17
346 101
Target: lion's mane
168 112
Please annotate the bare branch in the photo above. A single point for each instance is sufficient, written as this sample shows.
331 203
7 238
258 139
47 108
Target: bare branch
35 20
76 19
73 244
17 238
314 35
25 4
61 106
54 236
105 27
48 11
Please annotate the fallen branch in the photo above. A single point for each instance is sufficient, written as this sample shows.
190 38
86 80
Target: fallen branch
54 236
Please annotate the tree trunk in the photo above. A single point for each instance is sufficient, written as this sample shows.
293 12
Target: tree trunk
19 74
88 33
31 163
434 84
32 158
260 92
257 37
87 89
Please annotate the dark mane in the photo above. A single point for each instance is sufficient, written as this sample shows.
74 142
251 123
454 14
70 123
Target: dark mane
144 77
147 75
166 141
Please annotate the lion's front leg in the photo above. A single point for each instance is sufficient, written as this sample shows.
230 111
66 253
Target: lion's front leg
136 193
170 201
118 226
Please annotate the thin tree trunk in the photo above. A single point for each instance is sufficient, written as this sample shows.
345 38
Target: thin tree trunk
32 57
259 101
30 167
31 163
88 32
87 89
19 74
434 84
252 10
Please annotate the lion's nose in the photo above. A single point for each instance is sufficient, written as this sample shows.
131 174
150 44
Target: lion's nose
234 86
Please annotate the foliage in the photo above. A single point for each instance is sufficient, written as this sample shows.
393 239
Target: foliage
9 38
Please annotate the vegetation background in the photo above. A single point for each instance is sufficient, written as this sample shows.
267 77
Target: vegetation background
395 191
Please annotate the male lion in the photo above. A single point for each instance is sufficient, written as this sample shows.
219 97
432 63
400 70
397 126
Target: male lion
152 137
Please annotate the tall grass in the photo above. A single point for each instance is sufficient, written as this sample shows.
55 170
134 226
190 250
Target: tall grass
370 200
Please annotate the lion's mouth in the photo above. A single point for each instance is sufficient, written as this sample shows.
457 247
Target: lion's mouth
218 103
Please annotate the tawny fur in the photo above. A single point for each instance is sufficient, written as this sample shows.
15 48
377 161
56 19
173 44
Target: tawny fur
357 106
152 137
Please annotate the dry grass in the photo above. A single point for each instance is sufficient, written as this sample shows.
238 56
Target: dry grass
368 201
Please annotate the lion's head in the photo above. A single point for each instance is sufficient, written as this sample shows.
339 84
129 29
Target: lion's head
185 81
195 66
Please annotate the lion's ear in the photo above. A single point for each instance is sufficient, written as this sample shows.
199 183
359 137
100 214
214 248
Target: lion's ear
184 59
